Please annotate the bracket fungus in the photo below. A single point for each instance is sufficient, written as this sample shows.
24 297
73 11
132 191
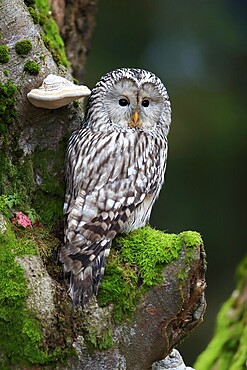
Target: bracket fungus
55 92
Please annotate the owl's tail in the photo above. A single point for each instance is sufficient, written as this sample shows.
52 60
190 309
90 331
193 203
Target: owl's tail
84 271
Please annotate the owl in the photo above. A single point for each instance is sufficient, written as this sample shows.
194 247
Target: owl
115 167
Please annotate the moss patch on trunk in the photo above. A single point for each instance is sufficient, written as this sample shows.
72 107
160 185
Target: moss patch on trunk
7 103
40 12
34 183
21 332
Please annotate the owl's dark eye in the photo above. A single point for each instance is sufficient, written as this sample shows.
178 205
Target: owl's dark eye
123 102
145 103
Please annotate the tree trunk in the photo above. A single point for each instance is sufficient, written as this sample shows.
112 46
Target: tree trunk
33 140
76 20
137 320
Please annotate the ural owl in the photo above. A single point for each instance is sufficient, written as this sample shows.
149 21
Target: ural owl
115 168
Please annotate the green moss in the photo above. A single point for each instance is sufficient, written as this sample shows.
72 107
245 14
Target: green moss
6 72
48 207
228 348
54 42
106 341
7 103
49 197
102 341
40 12
241 273
7 202
32 67
23 47
20 331
29 2
43 6
18 175
17 178
191 239
4 54
34 14
17 187
135 264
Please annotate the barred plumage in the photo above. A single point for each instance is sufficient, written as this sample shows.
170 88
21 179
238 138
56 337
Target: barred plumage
115 168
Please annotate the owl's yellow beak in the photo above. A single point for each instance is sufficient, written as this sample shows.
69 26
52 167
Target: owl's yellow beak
135 117
135 122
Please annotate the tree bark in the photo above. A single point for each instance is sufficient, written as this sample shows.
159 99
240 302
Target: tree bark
33 133
76 21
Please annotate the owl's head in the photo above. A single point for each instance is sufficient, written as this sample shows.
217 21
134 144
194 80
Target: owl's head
129 98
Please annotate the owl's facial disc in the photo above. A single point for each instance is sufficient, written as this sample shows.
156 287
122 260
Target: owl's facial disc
132 105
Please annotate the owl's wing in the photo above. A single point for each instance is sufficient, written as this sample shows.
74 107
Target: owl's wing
108 177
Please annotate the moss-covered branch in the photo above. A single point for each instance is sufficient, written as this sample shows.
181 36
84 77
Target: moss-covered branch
228 348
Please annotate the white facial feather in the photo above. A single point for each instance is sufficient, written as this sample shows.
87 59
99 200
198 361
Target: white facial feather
134 94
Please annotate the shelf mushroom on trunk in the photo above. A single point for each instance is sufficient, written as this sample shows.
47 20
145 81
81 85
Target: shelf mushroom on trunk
55 92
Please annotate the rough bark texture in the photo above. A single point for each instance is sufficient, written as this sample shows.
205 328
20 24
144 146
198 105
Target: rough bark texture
38 324
76 20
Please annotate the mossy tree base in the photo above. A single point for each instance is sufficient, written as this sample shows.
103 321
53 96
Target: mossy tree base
152 296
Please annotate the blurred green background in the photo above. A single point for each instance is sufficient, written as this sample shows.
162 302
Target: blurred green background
199 50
